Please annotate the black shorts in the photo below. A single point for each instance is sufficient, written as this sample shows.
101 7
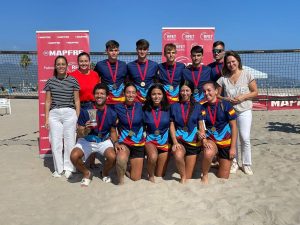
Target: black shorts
223 153
136 151
191 150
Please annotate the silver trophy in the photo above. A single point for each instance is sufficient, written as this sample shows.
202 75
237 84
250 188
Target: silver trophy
92 115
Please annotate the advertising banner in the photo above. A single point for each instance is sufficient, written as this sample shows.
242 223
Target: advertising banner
185 38
277 102
51 44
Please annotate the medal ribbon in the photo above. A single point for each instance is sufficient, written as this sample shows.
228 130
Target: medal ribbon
171 78
142 74
113 74
196 82
102 120
185 116
156 120
211 116
132 116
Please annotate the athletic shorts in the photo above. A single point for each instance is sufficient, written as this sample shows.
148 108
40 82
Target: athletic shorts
136 151
191 150
223 153
90 147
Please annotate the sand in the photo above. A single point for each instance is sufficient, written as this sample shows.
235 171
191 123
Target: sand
30 195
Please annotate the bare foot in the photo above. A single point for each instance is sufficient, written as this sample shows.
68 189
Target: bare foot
151 179
204 179
182 181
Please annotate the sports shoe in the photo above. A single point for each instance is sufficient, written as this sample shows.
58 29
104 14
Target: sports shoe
234 166
68 174
106 179
56 174
247 170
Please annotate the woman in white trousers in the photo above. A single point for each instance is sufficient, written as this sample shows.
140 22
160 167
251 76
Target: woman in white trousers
62 108
239 88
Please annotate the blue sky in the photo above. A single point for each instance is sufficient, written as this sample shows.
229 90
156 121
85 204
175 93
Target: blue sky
241 24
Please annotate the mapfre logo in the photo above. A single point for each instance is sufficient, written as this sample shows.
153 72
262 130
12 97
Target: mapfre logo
169 37
61 52
186 36
206 37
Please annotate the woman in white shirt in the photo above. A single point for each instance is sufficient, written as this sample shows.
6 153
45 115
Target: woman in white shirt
239 88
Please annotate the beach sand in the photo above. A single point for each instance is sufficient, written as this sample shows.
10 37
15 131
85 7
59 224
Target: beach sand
30 195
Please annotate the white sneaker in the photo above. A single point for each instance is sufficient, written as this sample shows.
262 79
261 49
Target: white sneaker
234 166
247 170
68 174
106 179
56 174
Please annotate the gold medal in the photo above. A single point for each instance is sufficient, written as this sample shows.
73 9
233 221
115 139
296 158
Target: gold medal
213 129
130 133
157 132
143 84
171 88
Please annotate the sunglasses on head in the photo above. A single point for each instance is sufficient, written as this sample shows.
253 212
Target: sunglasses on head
215 51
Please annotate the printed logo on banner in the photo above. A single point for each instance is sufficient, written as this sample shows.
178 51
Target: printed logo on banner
53 43
169 36
63 37
42 37
206 37
195 44
72 42
72 66
81 36
182 59
180 47
186 36
61 52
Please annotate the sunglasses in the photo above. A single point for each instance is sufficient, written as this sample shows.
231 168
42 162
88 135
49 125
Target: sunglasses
217 51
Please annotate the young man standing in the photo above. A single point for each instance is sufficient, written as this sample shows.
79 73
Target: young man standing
97 137
142 72
218 64
113 73
198 74
170 73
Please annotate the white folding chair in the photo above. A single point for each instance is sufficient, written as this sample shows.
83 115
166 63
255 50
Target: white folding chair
5 104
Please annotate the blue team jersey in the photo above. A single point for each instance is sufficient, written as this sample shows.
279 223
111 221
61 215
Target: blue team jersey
222 133
172 90
115 91
216 70
137 139
205 76
136 78
109 121
161 140
190 136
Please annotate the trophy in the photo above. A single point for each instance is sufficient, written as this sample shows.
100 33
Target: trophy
92 115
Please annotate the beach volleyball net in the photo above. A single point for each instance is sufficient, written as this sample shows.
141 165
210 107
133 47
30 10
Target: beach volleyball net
276 71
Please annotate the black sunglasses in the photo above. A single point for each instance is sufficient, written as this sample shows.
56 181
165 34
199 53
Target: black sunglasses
215 51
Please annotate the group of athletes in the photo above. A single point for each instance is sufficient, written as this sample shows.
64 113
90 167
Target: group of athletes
147 109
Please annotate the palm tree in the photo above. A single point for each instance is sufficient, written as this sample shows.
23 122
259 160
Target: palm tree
24 63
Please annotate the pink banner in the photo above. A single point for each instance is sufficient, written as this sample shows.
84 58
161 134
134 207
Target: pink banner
277 103
51 44
185 38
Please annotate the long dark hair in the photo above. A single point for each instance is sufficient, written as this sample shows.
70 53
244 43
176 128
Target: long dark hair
58 57
192 100
148 105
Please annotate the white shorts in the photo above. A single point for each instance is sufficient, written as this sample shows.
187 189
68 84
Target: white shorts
90 147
